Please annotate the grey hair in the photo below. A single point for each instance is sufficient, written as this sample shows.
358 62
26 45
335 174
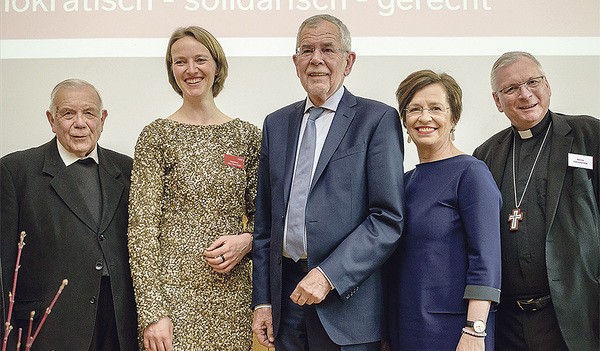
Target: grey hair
509 58
315 20
71 83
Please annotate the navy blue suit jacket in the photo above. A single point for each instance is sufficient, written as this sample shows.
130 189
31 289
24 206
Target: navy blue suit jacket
354 212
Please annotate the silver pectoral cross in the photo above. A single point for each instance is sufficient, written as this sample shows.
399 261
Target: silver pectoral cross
514 219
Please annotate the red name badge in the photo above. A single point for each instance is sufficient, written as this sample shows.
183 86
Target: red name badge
234 161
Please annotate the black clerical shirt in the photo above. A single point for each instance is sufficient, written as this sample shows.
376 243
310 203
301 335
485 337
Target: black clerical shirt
523 251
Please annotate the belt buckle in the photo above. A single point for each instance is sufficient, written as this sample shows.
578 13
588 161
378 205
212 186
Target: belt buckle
521 302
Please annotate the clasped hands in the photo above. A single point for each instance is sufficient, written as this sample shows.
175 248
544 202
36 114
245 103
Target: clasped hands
227 251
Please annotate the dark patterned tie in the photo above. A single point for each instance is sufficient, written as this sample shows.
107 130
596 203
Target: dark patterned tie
88 182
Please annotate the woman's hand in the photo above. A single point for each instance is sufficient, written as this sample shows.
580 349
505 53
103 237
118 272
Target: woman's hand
477 310
159 336
227 251
470 343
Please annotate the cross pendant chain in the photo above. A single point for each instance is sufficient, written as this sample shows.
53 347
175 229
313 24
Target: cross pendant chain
517 215
514 218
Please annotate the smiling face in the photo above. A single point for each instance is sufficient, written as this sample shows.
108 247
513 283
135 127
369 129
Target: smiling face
194 68
527 107
77 120
322 75
430 133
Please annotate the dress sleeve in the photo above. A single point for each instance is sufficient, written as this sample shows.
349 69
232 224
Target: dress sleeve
254 139
479 203
145 213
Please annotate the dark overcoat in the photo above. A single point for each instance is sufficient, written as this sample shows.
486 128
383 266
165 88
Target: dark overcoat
39 197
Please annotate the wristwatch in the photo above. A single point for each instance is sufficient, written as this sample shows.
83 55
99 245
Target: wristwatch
478 325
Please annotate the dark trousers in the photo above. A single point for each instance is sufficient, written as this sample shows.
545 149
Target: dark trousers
300 328
518 330
105 336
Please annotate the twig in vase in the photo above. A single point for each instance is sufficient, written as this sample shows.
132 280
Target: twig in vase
31 315
19 339
11 295
48 310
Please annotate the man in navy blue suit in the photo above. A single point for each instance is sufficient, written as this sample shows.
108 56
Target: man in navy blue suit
326 222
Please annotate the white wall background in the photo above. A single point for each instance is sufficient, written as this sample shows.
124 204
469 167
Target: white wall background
136 91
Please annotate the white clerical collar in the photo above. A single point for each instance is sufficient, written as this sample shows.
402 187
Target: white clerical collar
70 158
331 103
525 134
537 129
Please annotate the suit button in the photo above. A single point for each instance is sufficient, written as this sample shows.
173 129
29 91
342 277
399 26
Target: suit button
99 266
279 260
282 219
93 300
101 237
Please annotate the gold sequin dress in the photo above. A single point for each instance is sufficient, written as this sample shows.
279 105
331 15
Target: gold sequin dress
183 197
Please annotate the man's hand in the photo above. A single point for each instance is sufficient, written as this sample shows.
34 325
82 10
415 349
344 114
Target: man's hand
312 289
262 326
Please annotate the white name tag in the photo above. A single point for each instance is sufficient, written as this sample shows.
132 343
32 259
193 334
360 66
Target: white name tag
581 161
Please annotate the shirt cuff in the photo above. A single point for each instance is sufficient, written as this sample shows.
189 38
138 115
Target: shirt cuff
326 277
264 305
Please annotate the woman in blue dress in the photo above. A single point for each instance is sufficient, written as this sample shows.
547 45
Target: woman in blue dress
445 275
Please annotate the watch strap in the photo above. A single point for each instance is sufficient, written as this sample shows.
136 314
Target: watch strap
472 324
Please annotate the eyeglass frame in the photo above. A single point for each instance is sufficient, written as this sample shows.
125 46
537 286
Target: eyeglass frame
518 86
308 55
420 110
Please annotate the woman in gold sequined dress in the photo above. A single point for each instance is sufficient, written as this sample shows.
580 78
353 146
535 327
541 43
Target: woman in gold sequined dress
193 181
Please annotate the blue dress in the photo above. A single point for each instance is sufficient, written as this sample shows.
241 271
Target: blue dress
449 253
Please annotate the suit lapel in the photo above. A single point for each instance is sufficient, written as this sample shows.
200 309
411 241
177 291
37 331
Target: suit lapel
561 144
499 156
64 185
112 189
341 122
294 121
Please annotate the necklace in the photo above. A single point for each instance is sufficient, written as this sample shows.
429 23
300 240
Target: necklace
518 215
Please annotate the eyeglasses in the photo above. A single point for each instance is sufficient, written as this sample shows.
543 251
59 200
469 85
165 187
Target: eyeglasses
308 51
530 84
436 111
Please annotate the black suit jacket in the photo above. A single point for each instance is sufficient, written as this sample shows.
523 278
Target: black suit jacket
572 223
63 242
354 212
